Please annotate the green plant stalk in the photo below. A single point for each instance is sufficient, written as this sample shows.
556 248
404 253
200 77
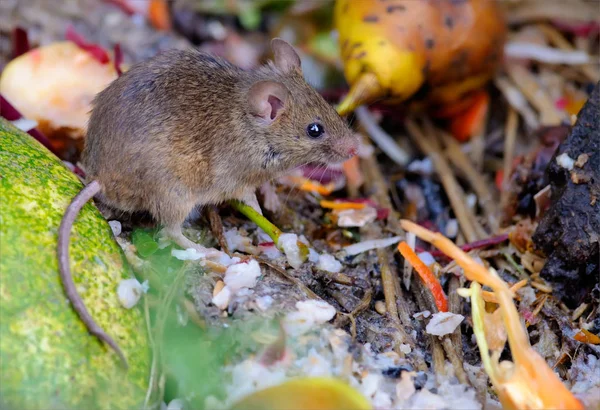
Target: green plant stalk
264 224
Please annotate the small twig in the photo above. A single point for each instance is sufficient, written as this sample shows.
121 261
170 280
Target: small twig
456 361
389 289
380 137
512 122
455 305
514 264
363 305
579 311
339 278
216 226
455 193
461 161
541 287
289 277
561 42
526 11
528 84
438 358
517 101
378 189
425 302
540 305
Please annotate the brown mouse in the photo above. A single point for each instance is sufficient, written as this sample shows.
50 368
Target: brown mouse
187 129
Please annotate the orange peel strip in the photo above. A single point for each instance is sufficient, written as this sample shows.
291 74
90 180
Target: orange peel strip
528 382
342 205
490 297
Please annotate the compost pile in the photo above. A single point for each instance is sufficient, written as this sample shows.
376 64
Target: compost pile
346 286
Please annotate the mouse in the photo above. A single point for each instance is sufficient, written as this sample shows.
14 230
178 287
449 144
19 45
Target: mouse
186 129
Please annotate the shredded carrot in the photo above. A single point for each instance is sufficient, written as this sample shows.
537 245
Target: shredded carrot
528 382
490 297
426 275
305 184
463 126
158 14
352 171
318 188
342 205
585 336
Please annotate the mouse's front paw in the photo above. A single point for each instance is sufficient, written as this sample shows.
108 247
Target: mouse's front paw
249 198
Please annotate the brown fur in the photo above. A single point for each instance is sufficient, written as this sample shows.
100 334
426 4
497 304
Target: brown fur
186 129
178 131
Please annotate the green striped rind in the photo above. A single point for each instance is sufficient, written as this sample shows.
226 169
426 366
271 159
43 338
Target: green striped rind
47 358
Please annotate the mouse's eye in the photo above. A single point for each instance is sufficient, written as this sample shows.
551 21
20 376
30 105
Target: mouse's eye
315 130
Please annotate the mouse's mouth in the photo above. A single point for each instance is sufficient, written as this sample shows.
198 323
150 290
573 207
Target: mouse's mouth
322 172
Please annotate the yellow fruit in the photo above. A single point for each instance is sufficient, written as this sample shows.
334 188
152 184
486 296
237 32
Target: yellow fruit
440 50
311 393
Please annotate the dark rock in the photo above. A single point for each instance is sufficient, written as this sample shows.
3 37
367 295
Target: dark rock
569 232
420 380
396 371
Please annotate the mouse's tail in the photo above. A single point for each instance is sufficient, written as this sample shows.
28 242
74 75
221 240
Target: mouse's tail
64 235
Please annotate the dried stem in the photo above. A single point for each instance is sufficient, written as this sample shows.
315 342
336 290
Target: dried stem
378 189
289 277
517 101
455 305
456 360
380 137
512 122
561 42
528 84
455 193
216 226
389 289
461 161
363 305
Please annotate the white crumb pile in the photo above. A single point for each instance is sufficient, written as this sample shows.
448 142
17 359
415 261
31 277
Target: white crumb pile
238 276
313 346
130 291
356 217
585 374
443 323
329 263
385 378
289 243
309 314
236 241
565 161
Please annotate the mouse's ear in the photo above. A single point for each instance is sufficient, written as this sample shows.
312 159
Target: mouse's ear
286 58
267 100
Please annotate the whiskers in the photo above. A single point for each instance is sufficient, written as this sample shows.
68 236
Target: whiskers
296 184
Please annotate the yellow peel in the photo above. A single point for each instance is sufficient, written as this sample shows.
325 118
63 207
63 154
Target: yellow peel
311 393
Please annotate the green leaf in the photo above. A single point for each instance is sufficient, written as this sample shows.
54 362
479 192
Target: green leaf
144 243
250 17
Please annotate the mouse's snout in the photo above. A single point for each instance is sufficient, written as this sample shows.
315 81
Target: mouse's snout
353 144
347 147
